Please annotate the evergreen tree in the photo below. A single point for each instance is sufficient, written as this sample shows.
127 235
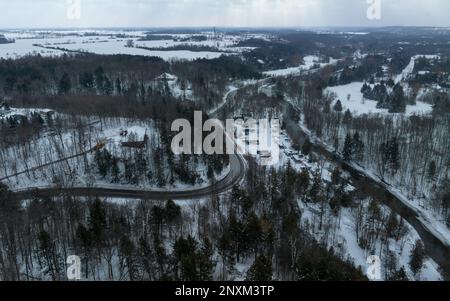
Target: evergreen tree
172 212
338 106
306 147
275 185
336 176
443 195
348 148
417 257
399 275
316 189
141 163
161 257
289 179
158 160
238 237
206 264
391 155
357 148
87 80
390 260
97 223
366 90
99 76
103 159
64 85
253 232
127 253
348 117
261 270
50 258
187 259
432 171
302 183
394 154
390 82
226 251
147 258
84 242
118 86
392 225
398 100
115 170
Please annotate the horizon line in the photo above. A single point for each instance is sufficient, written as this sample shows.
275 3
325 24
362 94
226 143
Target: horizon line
225 27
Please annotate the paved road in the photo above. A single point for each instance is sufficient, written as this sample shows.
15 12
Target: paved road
436 247
234 177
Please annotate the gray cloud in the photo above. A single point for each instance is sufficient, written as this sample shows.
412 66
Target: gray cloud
147 13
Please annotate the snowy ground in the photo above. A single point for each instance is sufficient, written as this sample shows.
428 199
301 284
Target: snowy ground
114 42
344 240
11 112
359 105
51 147
190 209
345 236
175 87
410 68
309 62
427 216
25 47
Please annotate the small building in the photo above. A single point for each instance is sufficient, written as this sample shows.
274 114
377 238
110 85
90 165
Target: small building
4 108
16 119
3 39
297 159
166 77
265 154
136 144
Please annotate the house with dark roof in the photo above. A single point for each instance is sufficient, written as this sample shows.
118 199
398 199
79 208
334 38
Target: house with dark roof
4 40
136 144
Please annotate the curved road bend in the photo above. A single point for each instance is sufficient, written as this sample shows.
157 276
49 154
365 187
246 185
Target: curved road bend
234 177
237 172
436 248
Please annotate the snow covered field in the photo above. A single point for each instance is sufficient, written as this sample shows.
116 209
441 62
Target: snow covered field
359 105
113 42
410 68
25 47
309 62
93 45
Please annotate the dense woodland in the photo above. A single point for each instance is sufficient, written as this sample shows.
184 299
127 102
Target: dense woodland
130 77
36 142
387 144
163 241
257 225
254 232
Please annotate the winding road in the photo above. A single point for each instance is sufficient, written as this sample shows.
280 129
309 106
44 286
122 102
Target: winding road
234 177
436 247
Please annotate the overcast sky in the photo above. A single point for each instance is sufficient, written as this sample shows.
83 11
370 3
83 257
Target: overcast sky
236 13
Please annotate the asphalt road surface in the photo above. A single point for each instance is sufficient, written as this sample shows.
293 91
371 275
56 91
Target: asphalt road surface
234 177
